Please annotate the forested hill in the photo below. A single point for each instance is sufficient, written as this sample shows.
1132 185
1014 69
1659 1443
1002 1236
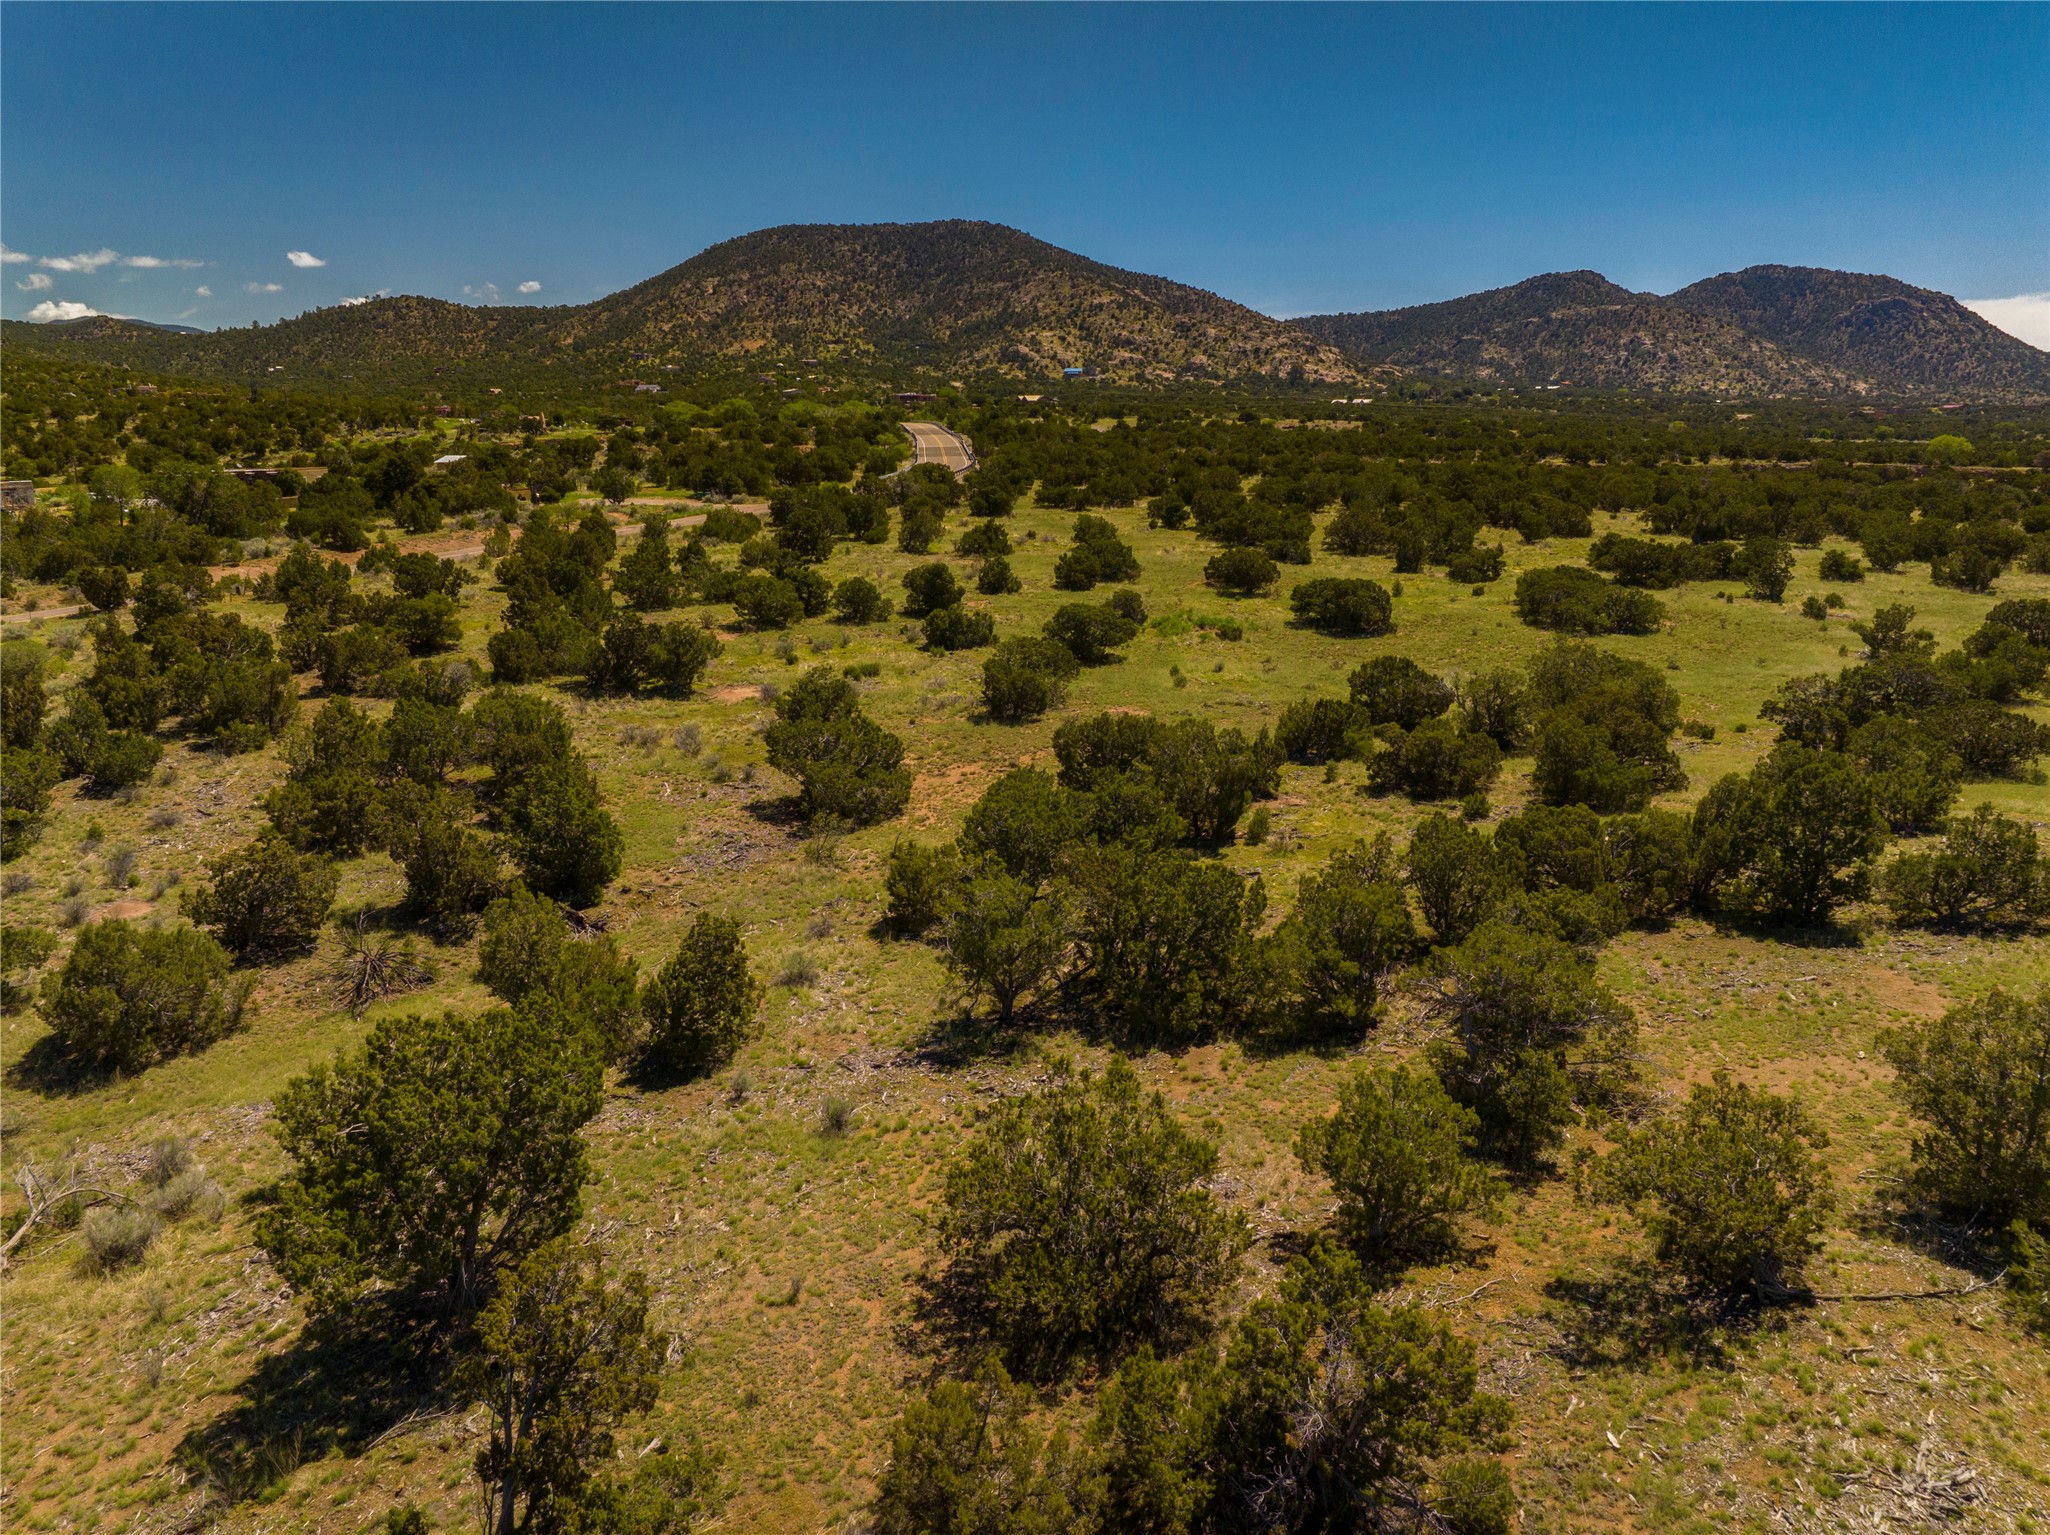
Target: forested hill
938 299
1899 336
1764 330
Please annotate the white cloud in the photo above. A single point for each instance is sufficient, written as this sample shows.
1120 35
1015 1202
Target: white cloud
2026 315
303 259
187 314
10 257
84 261
263 287
530 287
60 309
182 263
484 293
36 282
364 298
203 292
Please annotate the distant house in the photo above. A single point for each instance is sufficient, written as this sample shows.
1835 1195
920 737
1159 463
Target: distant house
258 473
1071 373
647 389
17 495
911 397
791 394
450 460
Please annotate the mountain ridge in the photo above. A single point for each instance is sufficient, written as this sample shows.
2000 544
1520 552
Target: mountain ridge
958 298
943 298
1767 329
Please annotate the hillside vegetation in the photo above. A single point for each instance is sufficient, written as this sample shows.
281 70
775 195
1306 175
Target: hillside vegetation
932 300
1767 330
1436 967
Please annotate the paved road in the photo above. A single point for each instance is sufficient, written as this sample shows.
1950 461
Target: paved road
932 443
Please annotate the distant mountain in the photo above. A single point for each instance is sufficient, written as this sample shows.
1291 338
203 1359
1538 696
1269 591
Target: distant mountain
1764 330
941 299
1899 336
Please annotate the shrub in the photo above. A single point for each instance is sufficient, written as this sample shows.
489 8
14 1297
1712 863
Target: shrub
23 949
563 1356
1475 1497
452 873
1574 600
1478 566
1091 632
849 768
1394 690
1990 741
1024 820
1167 941
919 527
984 540
1791 841
1004 940
441 1152
1651 859
1025 678
585 986
1342 605
1459 876
1604 726
1913 776
965 1460
1079 1219
118 1237
1335 1405
266 900
928 588
1765 566
1530 1032
1731 1189
1241 572
353 660
1098 555
1979 1080
83 747
1320 730
702 1005
1437 760
647 577
857 600
1989 873
764 601
1839 565
1397 1155
958 628
128 996
996 577
920 883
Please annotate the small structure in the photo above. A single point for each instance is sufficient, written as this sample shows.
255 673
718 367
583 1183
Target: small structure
17 495
1071 373
911 397
450 460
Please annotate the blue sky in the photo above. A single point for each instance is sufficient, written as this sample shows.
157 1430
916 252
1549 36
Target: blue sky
1294 158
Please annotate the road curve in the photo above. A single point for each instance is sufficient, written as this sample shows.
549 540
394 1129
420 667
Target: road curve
932 443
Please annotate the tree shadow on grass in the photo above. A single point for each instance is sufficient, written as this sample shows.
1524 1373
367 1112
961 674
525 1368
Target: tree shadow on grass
49 1068
1971 1241
1628 1315
351 1379
956 1039
1838 935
